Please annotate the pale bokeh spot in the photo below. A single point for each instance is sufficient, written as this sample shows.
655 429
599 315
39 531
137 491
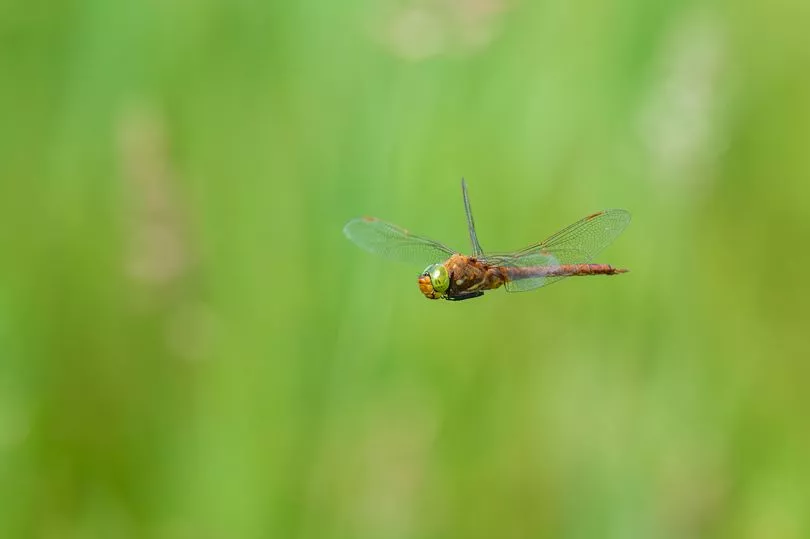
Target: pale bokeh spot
679 122
428 29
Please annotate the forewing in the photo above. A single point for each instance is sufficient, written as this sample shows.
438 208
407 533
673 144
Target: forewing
393 242
578 243
476 247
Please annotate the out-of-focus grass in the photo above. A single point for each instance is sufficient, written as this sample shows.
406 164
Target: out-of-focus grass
190 348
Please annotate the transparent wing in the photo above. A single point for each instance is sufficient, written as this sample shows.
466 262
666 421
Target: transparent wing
534 260
396 243
578 243
476 247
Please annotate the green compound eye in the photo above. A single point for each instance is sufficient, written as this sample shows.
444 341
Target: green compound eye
438 277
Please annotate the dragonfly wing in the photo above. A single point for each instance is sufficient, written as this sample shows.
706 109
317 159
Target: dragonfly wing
586 238
578 243
476 247
517 262
393 242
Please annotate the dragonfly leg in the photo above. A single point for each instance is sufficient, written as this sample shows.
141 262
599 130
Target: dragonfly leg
466 295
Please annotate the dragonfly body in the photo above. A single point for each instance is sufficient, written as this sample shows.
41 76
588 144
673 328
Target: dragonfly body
469 277
564 254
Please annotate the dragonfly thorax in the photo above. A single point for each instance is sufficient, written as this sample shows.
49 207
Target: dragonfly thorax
434 281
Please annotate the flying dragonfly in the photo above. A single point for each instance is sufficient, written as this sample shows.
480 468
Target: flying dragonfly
453 276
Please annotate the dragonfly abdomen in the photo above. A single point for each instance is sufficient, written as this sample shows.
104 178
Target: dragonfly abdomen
563 270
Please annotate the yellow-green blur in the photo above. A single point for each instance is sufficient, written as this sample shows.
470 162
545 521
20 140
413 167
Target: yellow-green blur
190 347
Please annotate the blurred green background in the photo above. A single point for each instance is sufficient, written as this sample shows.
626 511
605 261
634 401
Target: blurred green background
189 347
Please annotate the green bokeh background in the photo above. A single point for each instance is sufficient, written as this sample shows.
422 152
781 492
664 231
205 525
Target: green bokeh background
190 348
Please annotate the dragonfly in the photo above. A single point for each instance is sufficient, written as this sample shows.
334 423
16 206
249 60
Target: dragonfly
453 276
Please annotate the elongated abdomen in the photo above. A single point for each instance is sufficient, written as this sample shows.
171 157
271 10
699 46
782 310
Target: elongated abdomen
563 270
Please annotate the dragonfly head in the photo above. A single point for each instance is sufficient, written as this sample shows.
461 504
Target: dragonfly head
434 281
